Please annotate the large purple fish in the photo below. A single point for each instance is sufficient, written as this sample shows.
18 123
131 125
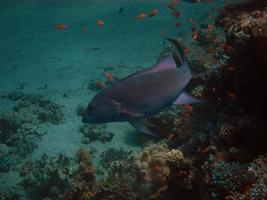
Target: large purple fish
143 93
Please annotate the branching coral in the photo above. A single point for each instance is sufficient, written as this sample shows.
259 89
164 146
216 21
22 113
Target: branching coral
229 176
235 180
49 177
94 132
12 193
116 161
83 185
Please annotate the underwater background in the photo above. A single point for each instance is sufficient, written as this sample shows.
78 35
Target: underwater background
56 55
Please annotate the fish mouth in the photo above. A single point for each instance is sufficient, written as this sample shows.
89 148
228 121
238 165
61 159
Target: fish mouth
84 120
87 119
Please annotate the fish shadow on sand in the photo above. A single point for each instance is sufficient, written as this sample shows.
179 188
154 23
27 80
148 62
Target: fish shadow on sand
136 139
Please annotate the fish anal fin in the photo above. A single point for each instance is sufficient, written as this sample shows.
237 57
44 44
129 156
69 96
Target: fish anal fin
117 106
185 98
141 125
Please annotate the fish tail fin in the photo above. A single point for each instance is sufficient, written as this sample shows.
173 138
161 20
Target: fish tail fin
179 57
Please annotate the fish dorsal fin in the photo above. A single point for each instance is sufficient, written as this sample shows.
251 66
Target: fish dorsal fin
178 53
185 98
166 63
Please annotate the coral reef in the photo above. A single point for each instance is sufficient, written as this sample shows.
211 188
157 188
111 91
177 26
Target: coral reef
116 161
7 162
49 177
153 169
22 127
95 132
258 170
83 185
12 193
235 180
61 177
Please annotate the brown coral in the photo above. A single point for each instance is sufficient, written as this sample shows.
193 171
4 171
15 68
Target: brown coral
84 184
152 164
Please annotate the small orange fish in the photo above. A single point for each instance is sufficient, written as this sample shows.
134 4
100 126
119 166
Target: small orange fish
231 68
210 28
61 26
186 51
85 29
100 22
177 24
109 76
142 15
192 21
226 47
170 136
231 95
205 150
99 84
194 35
171 6
214 60
176 14
153 13
188 107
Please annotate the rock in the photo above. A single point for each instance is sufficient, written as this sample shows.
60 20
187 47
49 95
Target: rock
3 149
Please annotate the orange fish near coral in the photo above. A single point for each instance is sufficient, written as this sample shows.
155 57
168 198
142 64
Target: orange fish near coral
176 14
153 13
231 95
171 6
210 28
188 107
170 136
99 84
141 15
61 26
186 51
192 21
100 22
109 76
177 24
194 35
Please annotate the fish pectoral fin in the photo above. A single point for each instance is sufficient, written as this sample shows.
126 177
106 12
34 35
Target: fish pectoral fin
117 106
141 125
185 98
129 113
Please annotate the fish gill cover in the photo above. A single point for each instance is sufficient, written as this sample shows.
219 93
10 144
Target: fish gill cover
57 55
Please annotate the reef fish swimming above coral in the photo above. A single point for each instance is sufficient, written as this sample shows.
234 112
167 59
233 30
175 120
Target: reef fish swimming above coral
143 93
